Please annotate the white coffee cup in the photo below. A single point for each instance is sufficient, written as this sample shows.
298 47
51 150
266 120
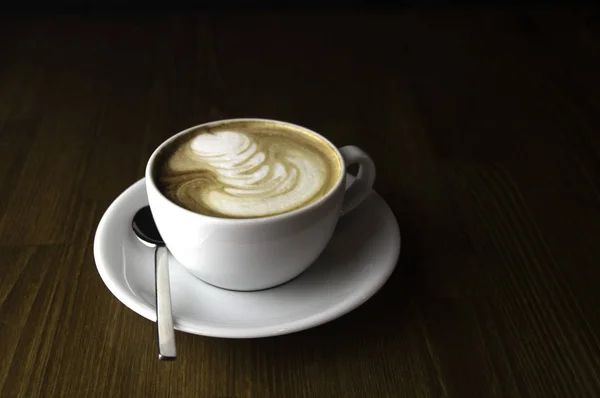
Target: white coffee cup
257 253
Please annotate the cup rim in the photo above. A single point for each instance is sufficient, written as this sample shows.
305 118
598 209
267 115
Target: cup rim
263 219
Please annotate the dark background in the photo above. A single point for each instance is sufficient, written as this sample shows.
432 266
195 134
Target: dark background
140 7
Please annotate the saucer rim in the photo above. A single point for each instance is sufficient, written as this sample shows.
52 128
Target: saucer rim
182 324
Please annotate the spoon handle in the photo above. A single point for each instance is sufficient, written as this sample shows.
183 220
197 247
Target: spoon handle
164 317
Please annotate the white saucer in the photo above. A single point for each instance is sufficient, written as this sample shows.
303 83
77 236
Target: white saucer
359 259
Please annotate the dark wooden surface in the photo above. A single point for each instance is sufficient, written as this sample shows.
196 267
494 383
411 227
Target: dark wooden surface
484 124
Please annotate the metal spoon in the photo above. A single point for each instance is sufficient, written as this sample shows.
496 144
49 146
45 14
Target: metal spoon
146 231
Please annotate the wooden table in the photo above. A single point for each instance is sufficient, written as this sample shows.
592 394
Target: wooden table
485 129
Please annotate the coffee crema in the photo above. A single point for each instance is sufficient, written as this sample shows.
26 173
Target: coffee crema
246 169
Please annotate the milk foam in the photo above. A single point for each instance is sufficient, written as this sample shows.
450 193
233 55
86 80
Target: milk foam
254 180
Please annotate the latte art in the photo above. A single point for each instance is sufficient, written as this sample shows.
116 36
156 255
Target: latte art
253 181
239 173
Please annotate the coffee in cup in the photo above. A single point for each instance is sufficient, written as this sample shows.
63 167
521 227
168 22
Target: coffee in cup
243 169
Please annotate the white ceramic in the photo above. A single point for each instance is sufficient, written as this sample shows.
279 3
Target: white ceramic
258 253
357 262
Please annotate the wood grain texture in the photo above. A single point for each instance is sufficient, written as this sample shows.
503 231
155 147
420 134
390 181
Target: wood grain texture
484 127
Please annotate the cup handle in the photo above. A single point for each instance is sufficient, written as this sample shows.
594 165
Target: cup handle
363 182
